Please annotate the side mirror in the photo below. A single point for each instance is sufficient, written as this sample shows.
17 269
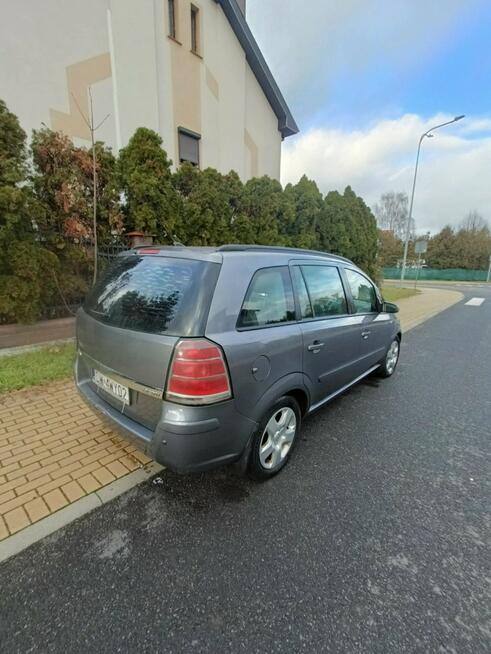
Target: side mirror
390 307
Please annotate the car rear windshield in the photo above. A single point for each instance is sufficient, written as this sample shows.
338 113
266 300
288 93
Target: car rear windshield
154 294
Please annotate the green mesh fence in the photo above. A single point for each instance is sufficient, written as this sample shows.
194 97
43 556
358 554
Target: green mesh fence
449 274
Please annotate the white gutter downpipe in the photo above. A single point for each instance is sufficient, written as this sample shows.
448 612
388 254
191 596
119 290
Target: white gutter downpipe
117 124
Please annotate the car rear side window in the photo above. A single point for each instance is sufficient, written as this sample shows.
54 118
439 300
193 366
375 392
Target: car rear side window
154 294
269 299
326 290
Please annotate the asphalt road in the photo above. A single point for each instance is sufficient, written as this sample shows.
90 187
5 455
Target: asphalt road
374 539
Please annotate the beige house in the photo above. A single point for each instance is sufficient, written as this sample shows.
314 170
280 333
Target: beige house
191 70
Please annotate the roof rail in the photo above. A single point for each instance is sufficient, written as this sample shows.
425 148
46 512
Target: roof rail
278 248
157 246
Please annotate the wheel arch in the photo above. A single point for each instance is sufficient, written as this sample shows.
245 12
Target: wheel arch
292 384
302 399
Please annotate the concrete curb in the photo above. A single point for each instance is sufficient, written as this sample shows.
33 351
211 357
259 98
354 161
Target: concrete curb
409 283
22 349
30 535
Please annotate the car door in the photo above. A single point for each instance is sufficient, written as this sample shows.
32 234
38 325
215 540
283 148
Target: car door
330 335
263 346
375 325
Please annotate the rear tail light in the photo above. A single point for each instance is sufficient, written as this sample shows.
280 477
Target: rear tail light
198 373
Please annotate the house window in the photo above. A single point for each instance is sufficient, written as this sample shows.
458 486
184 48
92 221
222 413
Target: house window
195 35
188 146
172 18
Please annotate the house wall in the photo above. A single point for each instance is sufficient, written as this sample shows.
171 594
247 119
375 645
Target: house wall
261 125
138 75
49 50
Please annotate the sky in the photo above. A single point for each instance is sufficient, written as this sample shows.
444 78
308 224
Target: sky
365 78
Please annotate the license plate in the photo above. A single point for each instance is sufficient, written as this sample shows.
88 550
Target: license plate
112 387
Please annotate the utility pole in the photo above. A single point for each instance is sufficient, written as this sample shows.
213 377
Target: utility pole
426 134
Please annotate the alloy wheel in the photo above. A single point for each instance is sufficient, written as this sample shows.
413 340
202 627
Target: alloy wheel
277 438
392 357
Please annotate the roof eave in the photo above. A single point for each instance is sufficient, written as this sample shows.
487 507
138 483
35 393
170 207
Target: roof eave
286 123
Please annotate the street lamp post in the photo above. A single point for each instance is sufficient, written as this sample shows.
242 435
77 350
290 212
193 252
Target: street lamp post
426 134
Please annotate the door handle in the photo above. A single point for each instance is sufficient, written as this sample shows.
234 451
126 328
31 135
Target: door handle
315 347
365 334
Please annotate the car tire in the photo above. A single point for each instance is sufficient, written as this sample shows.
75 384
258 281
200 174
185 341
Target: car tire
275 438
388 364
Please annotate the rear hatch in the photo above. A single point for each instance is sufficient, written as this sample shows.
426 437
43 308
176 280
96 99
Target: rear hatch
131 321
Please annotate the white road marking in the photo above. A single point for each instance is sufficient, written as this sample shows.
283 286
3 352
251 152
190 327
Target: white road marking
475 302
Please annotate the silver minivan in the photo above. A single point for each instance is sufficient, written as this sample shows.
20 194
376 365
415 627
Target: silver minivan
207 356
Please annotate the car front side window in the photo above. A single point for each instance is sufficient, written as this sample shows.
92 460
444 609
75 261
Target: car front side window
362 291
325 290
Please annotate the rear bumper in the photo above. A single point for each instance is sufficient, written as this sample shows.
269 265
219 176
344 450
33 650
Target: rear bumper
186 439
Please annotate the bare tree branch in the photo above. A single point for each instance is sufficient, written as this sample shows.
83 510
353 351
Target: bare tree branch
101 123
392 213
473 222
92 128
85 119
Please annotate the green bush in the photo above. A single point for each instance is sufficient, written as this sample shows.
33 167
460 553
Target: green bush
46 212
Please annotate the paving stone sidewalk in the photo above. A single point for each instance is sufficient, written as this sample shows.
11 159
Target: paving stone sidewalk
54 450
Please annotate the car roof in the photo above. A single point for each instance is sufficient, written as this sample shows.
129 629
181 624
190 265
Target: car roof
210 253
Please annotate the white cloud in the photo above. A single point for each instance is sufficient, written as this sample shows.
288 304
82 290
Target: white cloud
453 171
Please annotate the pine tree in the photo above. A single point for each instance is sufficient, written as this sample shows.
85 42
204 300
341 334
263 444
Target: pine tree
441 249
25 266
208 205
364 235
150 200
348 227
264 213
12 148
308 203
333 225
